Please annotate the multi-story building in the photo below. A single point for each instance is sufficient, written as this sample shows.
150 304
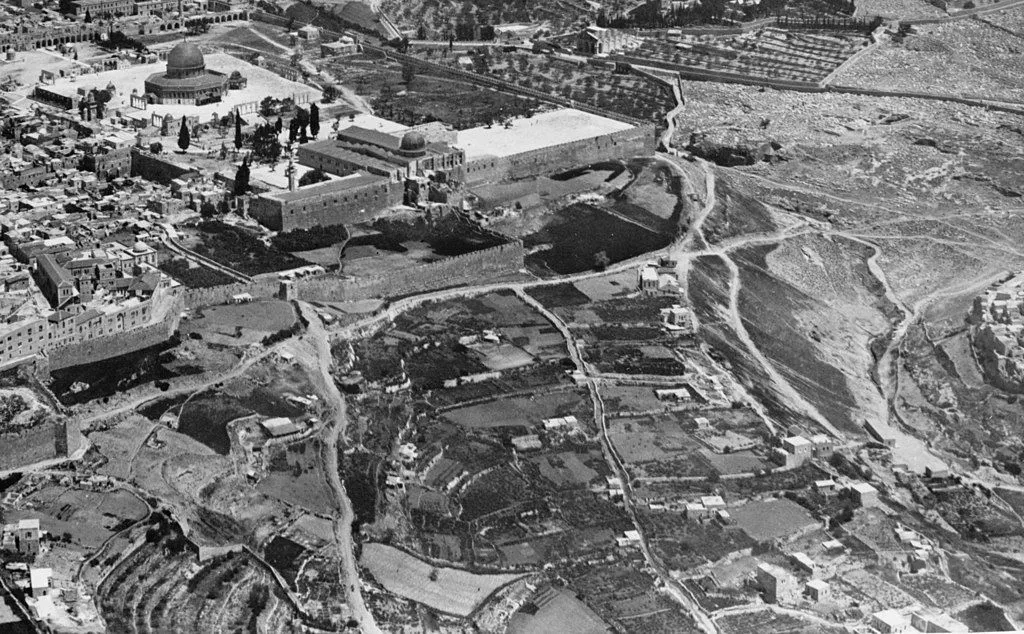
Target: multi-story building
376 171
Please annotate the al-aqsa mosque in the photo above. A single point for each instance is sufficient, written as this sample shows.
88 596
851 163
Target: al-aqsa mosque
187 81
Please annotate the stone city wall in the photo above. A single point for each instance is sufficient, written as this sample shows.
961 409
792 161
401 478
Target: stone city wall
154 168
624 144
46 441
446 273
454 271
102 348
196 297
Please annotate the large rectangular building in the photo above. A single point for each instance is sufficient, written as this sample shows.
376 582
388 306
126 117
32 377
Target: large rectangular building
549 142
355 198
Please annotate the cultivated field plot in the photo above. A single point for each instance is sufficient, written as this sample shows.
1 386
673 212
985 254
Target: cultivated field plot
769 621
965 58
446 590
89 517
567 469
296 477
735 462
607 287
772 519
684 544
770 53
241 324
873 590
425 98
658 446
435 17
167 590
936 590
631 398
525 411
630 95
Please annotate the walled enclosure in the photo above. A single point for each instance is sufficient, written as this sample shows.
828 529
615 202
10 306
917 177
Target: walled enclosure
625 144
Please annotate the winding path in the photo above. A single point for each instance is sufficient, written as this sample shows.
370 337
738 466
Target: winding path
338 423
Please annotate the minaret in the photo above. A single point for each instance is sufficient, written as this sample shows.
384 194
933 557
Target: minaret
293 180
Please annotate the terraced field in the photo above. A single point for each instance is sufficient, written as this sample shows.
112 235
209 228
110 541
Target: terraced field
153 591
770 53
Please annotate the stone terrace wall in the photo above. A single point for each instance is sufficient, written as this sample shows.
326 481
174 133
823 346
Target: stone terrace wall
701 74
624 144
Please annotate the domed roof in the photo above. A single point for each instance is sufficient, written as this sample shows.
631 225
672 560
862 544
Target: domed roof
413 142
185 57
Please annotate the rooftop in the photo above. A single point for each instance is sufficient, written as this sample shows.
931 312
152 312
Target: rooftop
542 130
352 181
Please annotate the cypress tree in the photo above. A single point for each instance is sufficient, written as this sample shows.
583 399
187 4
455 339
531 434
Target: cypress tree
314 120
184 138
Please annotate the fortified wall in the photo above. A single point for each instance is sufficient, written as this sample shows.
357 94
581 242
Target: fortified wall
102 348
46 441
621 145
455 271
459 270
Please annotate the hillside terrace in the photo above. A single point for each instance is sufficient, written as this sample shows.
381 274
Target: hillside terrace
770 53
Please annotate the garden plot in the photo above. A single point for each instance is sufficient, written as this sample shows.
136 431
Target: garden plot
296 477
524 411
773 519
88 517
241 324
658 446
769 53
446 590
567 469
